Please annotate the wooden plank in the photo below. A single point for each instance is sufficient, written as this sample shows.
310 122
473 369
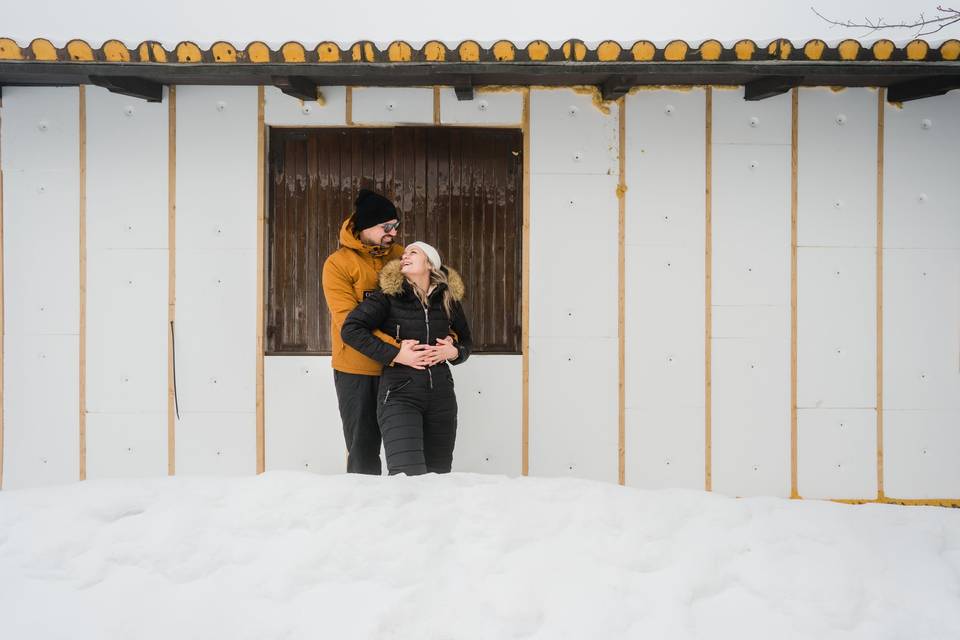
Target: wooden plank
436 105
171 276
500 276
794 139
316 249
261 224
708 294
512 229
525 288
622 283
430 189
476 74
348 117
297 258
83 282
881 110
484 309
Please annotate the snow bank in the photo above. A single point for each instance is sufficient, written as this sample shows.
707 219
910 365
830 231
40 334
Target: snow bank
296 555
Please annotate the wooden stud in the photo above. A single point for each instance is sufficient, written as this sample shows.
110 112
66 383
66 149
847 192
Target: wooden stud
621 297
525 298
261 225
881 99
794 140
436 105
708 297
348 117
171 273
906 502
83 283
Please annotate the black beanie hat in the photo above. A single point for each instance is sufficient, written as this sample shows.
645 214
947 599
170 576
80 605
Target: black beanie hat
372 209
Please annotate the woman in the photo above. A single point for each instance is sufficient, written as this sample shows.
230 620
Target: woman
418 303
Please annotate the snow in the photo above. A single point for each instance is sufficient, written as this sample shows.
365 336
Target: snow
418 21
297 555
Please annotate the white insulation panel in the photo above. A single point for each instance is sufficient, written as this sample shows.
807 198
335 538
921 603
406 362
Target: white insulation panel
41 240
216 167
837 168
222 444
569 134
573 310
665 289
216 330
392 105
836 328
920 454
41 271
921 192
665 365
564 208
302 423
751 416
127 445
750 374
921 299
487 107
41 207
921 329
281 110
41 128
760 122
127 184
751 224
41 410
665 448
490 414
665 168
127 331
837 453
573 408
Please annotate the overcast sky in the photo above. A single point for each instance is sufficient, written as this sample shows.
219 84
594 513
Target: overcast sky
311 21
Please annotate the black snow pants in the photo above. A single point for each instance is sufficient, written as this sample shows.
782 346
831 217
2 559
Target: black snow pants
357 400
417 410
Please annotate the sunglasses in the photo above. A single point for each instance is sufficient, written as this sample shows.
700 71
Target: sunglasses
390 226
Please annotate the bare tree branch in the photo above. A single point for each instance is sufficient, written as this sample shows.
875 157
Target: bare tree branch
945 17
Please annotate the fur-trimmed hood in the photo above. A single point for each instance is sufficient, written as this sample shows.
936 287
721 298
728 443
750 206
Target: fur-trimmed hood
391 280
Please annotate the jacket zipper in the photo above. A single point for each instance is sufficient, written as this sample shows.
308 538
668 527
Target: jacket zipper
426 317
387 395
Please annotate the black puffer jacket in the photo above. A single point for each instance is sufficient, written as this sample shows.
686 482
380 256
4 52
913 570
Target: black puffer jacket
397 311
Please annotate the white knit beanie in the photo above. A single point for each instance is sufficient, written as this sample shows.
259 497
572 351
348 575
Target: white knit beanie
432 254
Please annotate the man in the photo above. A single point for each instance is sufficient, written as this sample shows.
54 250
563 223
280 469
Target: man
367 243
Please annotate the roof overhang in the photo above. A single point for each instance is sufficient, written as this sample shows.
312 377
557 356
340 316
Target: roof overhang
912 71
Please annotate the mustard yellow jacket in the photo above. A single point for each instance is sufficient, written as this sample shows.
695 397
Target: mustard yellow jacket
349 274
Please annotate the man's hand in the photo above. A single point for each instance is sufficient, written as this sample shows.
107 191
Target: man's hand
413 354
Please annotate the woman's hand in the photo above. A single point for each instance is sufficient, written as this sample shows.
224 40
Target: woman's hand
445 350
414 355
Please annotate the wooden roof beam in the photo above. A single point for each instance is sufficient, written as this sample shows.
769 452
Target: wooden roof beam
769 86
615 87
132 86
464 88
922 88
299 87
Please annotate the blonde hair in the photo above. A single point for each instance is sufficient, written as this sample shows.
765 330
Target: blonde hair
437 277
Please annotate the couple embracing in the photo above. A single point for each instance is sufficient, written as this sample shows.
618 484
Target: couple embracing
397 325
